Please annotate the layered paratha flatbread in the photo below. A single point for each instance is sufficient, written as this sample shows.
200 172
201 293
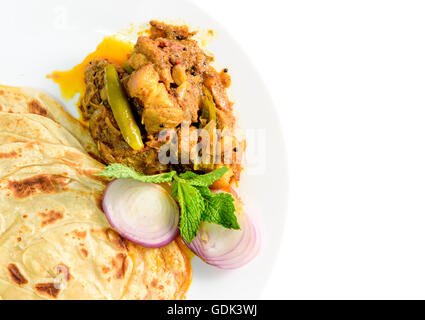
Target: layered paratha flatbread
32 127
28 100
55 242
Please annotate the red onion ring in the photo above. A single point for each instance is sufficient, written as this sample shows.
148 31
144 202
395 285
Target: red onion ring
143 213
227 248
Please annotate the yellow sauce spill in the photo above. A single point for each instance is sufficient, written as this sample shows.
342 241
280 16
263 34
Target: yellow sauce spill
71 82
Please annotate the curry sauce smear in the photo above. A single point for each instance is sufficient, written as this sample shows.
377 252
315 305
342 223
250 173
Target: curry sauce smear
71 82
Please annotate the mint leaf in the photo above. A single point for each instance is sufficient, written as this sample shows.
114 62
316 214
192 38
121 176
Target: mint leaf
197 202
191 208
188 175
117 171
204 180
219 209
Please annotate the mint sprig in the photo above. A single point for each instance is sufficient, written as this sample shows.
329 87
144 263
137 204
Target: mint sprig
197 202
191 209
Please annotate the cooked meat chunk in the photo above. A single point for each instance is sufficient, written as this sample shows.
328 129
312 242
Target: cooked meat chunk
151 51
160 110
137 60
162 30
225 119
214 84
188 96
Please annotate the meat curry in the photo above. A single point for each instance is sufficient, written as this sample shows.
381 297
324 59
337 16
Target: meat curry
166 85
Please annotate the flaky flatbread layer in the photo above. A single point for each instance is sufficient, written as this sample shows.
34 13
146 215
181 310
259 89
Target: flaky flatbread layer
27 100
55 241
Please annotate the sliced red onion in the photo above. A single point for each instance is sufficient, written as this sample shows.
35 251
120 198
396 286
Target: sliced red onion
227 248
143 213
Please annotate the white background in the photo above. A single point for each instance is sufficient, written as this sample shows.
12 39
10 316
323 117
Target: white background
348 79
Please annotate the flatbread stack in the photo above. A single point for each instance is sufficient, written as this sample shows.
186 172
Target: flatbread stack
55 241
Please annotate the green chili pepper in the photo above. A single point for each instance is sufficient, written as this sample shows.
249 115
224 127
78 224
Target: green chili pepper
127 68
209 114
208 106
121 109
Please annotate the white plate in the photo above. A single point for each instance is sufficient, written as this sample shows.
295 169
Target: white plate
41 36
